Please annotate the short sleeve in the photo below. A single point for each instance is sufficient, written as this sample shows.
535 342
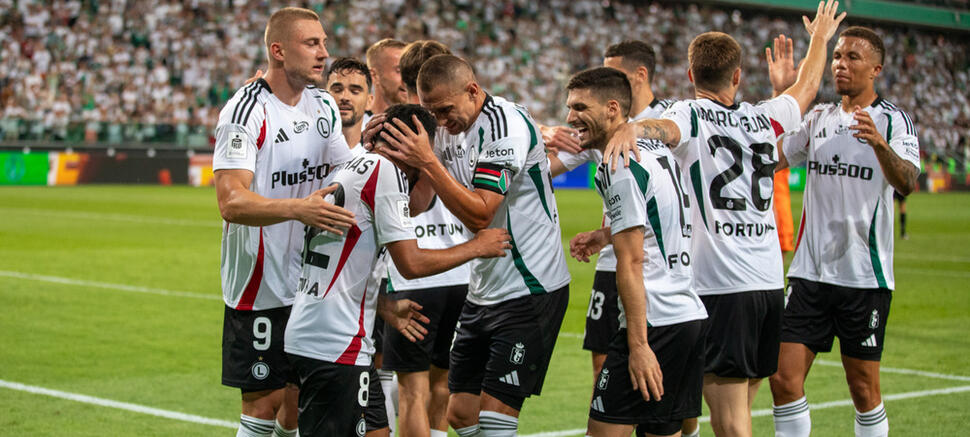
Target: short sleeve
795 144
625 201
573 160
685 117
392 217
784 112
237 144
903 137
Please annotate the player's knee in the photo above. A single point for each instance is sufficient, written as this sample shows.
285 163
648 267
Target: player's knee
785 387
864 391
461 419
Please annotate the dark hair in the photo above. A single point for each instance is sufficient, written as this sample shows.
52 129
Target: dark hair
713 57
414 56
634 52
606 84
443 69
350 64
404 112
869 35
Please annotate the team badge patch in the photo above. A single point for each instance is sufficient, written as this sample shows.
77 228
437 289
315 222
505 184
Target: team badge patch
604 379
323 127
874 319
518 354
361 427
404 211
237 145
260 370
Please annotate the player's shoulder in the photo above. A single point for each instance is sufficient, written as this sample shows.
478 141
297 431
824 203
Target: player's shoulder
320 96
241 106
896 115
665 103
504 118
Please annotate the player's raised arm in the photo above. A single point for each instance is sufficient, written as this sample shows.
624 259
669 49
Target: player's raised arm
781 65
822 28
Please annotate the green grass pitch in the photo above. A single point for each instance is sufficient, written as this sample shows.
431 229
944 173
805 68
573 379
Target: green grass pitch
112 292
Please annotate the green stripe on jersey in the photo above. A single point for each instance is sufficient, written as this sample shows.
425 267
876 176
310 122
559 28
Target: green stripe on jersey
536 174
641 176
889 127
654 216
695 180
530 280
693 123
874 250
532 132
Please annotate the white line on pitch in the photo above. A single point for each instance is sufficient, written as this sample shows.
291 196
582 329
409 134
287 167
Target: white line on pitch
114 217
767 411
106 285
116 404
951 259
934 272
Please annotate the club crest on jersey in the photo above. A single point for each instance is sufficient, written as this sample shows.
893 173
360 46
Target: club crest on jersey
300 127
260 370
604 379
361 427
323 127
874 319
518 354
472 157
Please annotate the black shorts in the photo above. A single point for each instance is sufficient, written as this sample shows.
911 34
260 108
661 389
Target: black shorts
816 312
375 416
504 349
333 397
680 350
603 313
252 349
742 333
443 306
898 197
378 335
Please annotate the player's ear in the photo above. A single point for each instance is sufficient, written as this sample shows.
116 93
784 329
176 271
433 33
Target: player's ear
643 74
736 77
276 51
876 70
473 89
690 76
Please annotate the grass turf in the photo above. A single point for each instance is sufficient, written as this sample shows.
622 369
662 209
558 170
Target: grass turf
163 351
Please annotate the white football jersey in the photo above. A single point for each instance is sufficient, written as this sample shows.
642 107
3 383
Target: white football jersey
506 152
846 234
606 262
728 154
291 151
333 313
649 194
437 227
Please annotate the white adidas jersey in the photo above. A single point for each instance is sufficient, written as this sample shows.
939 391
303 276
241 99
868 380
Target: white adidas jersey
846 234
437 227
650 194
729 154
506 152
333 313
606 262
291 151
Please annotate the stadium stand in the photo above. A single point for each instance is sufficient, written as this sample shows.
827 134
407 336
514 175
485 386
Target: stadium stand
123 71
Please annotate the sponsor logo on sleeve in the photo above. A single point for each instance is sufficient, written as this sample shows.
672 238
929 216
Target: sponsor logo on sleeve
404 211
238 142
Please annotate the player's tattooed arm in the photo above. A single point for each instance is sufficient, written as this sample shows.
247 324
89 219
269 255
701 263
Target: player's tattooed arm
645 373
900 173
404 315
624 140
585 244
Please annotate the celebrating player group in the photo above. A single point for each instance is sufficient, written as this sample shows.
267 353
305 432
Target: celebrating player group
392 259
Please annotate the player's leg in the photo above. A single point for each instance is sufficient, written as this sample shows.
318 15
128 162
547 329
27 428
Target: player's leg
902 214
469 356
690 427
807 328
728 400
604 429
259 410
286 418
333 397
861 328
438 404
377 421
463 409
440 359
414 393
602 319
754 384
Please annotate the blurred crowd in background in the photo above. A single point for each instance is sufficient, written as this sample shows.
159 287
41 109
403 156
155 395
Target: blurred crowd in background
113 71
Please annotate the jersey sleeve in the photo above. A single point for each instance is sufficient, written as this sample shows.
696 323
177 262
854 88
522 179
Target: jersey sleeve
903 137
573 160
784 112
625 200
685 117
392 218
794 144
239 137
500 160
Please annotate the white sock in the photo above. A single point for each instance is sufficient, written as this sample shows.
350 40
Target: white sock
436 433
792 419
254 427
873 423
696 433
389 385
497 424
279 431
469 431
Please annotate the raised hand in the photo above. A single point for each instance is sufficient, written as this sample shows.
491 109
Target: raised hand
781 64
410 147
825 23
561 138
